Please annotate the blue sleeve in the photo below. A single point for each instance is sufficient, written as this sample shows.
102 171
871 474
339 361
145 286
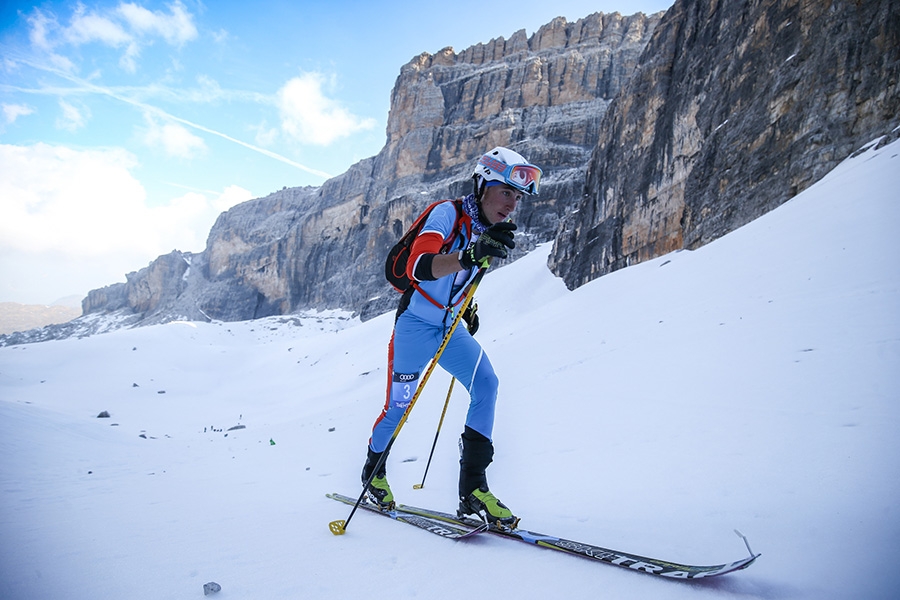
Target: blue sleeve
441 220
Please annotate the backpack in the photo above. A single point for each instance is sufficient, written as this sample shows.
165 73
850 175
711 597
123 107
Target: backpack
398 257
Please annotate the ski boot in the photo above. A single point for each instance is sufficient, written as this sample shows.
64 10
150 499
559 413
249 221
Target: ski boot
487 507
378 492
476 453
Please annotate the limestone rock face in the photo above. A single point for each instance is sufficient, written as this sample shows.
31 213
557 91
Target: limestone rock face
324 247
145 291
655 133
736 107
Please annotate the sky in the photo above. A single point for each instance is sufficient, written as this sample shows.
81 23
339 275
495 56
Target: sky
751 384
127 127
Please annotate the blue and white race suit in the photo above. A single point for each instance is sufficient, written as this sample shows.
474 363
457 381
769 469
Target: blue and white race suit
420 329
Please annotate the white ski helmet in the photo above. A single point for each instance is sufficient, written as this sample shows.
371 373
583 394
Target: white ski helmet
505 166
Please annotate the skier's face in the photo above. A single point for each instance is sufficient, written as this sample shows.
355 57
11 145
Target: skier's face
499 202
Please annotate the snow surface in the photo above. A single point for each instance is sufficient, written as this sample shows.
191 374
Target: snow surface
751 384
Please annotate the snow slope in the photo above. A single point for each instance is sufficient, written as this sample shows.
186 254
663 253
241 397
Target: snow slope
751 384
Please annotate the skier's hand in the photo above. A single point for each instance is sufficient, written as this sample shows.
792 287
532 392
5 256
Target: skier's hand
471 317
493 242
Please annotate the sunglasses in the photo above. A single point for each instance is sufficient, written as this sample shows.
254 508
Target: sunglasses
522 177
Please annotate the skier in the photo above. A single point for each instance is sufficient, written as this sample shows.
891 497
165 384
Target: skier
482 230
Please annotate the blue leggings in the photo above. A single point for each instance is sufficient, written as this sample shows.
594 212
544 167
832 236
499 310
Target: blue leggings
413 343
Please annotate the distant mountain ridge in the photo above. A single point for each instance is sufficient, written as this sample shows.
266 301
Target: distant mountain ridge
15 317
655 133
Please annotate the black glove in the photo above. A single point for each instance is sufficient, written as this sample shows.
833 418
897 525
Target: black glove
492 242
471 317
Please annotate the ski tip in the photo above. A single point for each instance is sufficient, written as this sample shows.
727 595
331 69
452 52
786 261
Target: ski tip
746 543
338 527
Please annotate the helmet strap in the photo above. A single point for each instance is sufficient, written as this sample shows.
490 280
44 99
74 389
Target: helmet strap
479 185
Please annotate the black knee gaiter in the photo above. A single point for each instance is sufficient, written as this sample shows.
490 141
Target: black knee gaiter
476 453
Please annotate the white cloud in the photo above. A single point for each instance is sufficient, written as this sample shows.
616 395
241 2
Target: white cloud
42 27
128 61
176 27
221 36
72 118
208 90
233 195
174 139
55 198
308 116
92 27
86 28
266 136
11 112
80 218
127 26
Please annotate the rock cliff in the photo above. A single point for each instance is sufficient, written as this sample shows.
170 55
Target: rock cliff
324 247
655 133
735 108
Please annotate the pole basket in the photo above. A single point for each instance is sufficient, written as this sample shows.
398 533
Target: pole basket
338 527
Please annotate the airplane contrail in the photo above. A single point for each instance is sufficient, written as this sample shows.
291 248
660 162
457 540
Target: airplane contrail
160 112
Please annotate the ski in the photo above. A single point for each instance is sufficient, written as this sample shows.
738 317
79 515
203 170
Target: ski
618 558
445 529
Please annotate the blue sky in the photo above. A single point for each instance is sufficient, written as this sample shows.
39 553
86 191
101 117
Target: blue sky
127 127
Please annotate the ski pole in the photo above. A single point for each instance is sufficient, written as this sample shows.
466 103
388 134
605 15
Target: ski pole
419 486
339 527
